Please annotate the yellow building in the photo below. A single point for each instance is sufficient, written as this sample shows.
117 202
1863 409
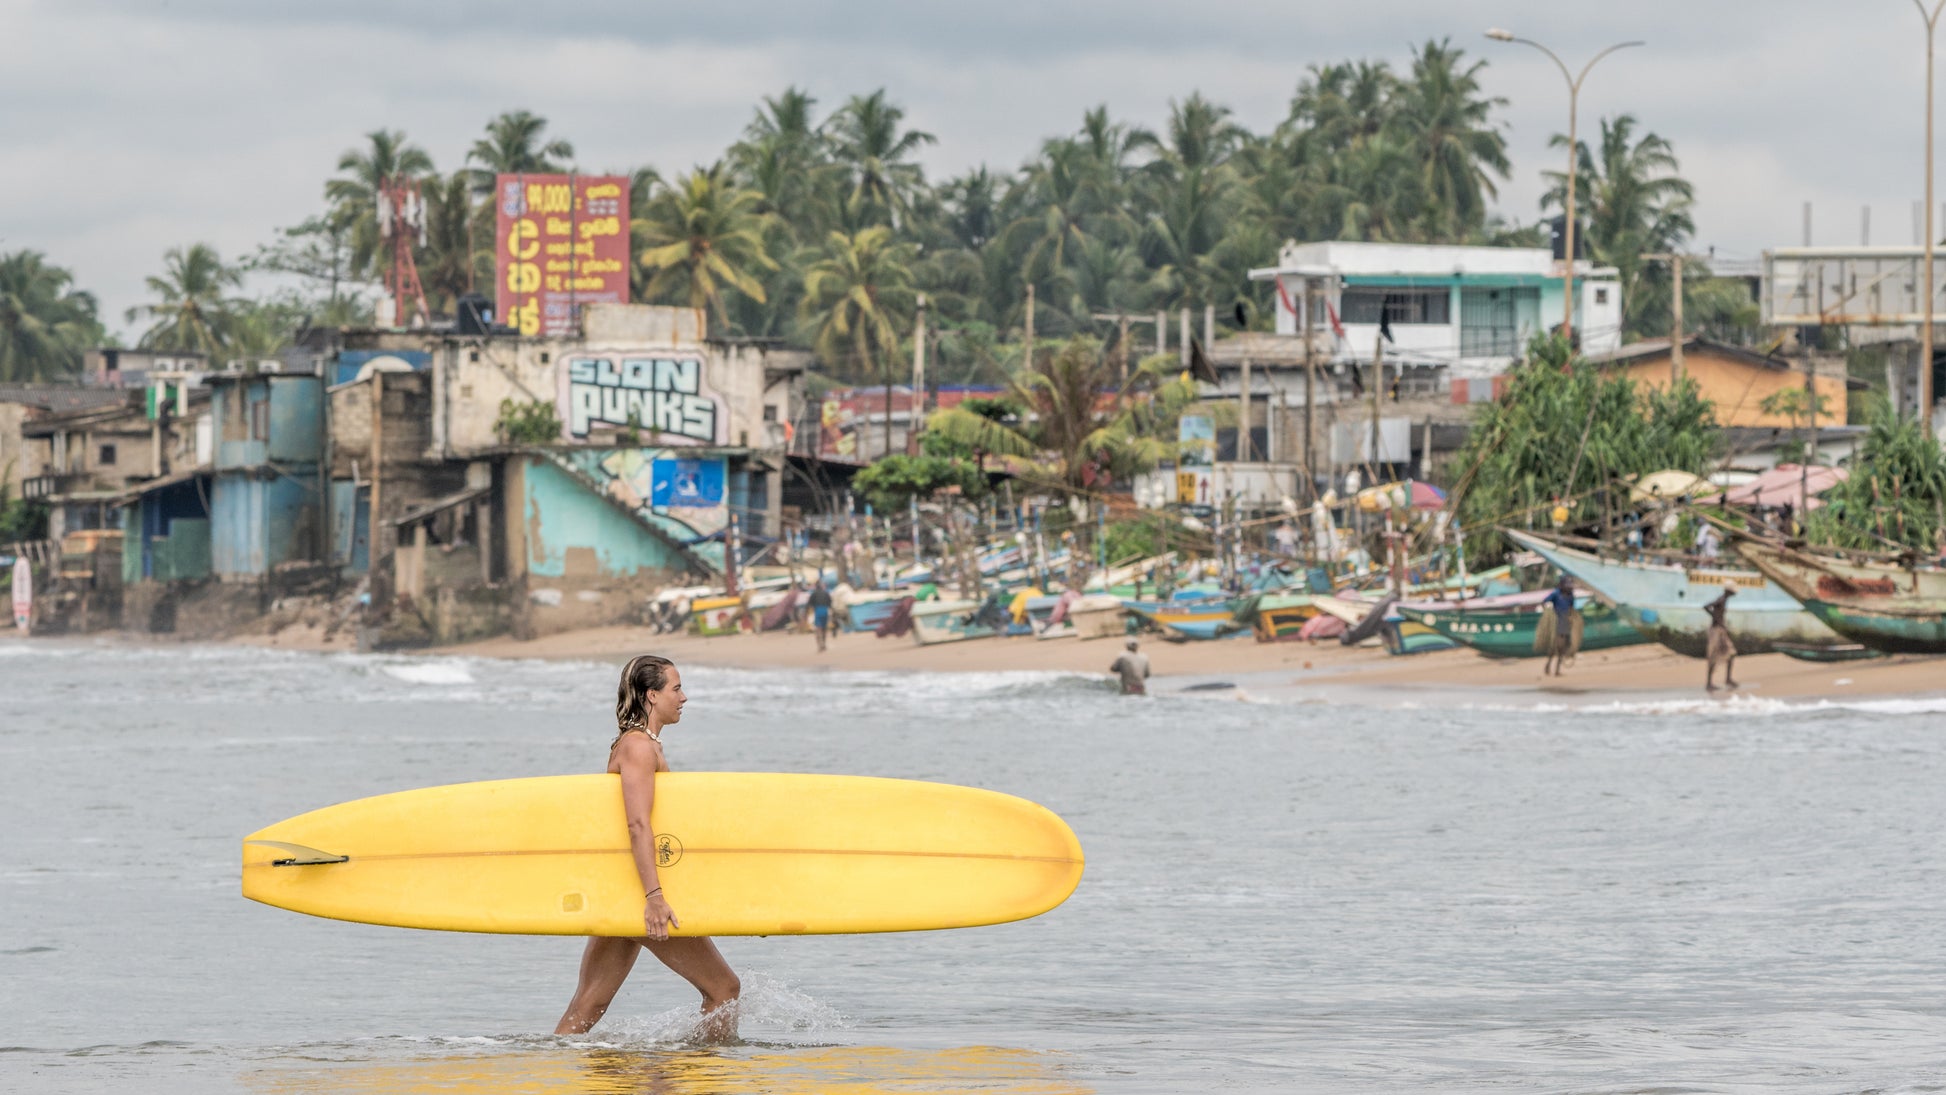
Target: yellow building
1736 380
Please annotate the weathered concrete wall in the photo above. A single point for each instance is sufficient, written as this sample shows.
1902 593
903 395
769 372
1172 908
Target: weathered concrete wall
587 561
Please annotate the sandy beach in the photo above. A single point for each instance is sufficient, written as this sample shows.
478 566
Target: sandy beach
1293 670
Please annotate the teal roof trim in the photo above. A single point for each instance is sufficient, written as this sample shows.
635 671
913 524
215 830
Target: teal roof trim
1434 281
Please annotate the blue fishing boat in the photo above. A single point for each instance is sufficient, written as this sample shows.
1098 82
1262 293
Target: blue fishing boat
1663 597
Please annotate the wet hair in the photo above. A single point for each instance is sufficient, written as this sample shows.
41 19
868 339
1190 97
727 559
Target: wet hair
644 673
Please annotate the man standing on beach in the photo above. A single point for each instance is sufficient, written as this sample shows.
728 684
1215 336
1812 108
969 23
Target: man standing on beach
1561 645
1721 649
820 602
1133 669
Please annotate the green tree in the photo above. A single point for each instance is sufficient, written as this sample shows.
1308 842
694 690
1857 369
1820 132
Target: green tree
869 144
1188 185
515 144
1084 427
1565 431
1631 201
193 311
1894 495
891 482
451 262
353 195
45 323
318 253
857 295
1448 128
701 236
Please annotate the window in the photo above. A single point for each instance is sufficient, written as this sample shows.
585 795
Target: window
105 456
1497 322
1366 304
1601 296
770 412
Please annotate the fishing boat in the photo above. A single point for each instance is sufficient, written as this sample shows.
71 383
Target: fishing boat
1839 652
947 622
1194 616
1504 627
1280 616
1880 604
1400 635
869 608
717 615
1098 616
1662 596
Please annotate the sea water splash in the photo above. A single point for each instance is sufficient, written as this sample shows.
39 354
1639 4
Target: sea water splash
770 1012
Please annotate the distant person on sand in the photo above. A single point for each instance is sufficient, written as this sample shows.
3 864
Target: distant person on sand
1133 669
649 699
1560 645
820 602
1721 649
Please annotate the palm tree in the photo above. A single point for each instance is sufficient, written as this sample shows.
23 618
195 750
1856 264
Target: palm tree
45 324
868 143
1189 187
1447 124
513 145
192 314
856 295
354 194
450 263
1085 426
700 236
1634 202
781 156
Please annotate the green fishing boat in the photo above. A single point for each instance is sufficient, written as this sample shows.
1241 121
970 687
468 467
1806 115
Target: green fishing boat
1504 627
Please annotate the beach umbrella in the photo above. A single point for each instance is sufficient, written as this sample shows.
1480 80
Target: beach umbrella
1664 485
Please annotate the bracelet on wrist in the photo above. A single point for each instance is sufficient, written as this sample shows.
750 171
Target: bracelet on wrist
652 893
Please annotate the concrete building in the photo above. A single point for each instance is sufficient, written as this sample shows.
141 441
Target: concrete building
657 446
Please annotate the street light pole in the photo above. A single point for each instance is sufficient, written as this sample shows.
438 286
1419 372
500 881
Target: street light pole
1925 329
1574 157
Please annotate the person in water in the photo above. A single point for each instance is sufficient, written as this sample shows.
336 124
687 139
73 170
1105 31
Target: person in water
1133 670
649 699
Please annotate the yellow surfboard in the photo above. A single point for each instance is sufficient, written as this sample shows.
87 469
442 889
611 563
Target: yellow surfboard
737 853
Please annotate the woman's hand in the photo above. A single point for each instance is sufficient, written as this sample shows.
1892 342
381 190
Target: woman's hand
658 917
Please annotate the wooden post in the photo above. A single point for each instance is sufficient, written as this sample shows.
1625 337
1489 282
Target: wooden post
1243 412
1378 389
1310 389
1183 333
1161 332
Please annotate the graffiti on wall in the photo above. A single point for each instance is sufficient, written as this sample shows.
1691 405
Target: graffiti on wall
662 396
686 495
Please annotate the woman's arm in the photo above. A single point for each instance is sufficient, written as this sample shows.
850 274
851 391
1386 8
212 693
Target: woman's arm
636 756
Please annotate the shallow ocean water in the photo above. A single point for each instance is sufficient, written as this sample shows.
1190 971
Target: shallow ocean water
1298 896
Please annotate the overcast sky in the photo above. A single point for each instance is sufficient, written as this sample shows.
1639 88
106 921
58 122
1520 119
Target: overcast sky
129 126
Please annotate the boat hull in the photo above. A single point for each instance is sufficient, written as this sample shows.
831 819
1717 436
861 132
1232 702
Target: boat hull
1510 633
1898 610
1664 602
947 622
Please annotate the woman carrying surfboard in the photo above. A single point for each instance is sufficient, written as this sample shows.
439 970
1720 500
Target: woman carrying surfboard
649 698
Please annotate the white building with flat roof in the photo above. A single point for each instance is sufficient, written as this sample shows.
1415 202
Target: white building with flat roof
1469 309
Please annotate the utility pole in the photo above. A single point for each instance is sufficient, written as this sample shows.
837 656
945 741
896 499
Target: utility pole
1378 388
1124 320
1676 329
1027 357
1161 332
918 385
1184 348
1925 329
1574 157
1310 387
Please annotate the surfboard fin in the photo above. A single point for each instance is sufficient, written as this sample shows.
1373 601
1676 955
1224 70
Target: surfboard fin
300 856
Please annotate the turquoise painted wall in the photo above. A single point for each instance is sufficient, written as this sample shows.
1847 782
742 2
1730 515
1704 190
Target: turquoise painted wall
562 513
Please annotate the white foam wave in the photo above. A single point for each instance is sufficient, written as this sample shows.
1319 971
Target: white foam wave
1743 706
441 672
768 1007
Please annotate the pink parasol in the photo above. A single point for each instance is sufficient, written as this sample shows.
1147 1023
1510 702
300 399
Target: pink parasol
1783 485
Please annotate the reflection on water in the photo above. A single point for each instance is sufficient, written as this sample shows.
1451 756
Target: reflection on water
608 1070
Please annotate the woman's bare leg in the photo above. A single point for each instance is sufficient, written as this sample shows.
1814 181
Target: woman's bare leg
604 966
698 962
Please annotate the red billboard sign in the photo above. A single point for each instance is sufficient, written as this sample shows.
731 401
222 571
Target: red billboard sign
560 241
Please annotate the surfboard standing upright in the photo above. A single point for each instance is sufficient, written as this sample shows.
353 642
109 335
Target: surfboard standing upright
737 854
